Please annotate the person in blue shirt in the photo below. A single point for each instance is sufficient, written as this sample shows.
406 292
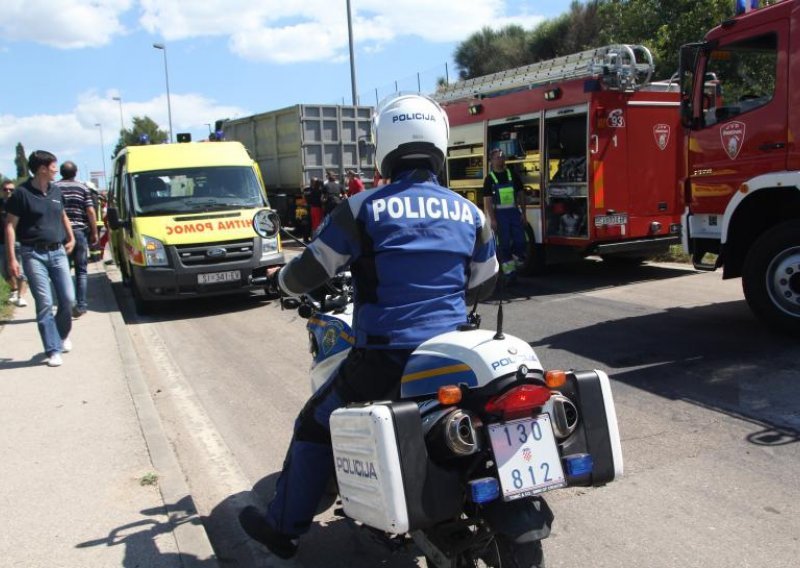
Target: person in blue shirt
419 254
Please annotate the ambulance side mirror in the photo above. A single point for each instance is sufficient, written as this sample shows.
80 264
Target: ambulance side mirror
266 223
113 218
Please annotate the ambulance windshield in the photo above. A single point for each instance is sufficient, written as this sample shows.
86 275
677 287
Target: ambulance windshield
190 190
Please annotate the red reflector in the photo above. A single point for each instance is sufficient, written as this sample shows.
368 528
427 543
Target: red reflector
519 399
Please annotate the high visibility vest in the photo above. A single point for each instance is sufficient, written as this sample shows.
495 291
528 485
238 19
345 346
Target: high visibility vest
503 191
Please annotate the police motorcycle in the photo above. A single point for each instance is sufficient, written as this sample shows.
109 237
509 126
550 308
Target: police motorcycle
460 460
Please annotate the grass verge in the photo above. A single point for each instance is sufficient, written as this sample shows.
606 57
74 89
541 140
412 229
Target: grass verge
6 309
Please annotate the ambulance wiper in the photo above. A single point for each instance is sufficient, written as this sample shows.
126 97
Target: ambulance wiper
208 203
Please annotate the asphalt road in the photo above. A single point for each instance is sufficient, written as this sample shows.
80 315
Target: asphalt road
707 402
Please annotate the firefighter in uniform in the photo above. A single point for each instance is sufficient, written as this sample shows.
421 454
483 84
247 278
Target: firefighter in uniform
504 203
418 253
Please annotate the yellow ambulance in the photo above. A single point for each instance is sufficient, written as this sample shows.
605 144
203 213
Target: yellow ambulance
181 218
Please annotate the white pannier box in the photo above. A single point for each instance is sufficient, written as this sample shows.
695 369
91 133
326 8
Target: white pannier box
385 477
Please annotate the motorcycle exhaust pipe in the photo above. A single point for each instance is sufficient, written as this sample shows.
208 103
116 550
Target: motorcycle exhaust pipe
459 434
454 434
565 415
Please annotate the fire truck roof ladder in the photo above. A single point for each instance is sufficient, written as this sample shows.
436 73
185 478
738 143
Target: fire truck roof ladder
616 65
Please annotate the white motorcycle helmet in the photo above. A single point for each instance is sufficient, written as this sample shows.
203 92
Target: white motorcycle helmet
411 128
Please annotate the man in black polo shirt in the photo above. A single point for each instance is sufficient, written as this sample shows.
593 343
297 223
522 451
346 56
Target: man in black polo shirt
80 210
36 217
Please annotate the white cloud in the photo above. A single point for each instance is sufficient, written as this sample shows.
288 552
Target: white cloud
282 31
75 135
65 24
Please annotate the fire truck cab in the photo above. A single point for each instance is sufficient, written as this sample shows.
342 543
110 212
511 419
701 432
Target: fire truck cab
594 142
742 175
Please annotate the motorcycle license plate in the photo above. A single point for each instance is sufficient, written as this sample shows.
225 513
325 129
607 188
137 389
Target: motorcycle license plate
527 457
219 277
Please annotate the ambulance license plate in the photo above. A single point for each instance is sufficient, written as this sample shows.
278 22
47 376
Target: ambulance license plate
219 277
527 458
601 220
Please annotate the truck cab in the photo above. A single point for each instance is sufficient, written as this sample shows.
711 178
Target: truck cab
739 106
181 219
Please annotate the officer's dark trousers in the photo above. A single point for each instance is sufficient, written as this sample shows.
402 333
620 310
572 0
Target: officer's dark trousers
366 374
510 234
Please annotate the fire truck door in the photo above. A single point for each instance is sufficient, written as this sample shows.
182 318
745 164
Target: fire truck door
608 158
566 192
744 133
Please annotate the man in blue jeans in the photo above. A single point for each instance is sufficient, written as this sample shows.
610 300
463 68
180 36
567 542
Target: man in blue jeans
79 206
36 217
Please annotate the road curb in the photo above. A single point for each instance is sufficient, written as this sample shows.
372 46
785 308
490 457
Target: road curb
190 536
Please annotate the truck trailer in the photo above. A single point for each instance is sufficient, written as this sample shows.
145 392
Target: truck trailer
294 144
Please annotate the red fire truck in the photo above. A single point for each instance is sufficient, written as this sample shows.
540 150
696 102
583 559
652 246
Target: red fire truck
742 174
594 141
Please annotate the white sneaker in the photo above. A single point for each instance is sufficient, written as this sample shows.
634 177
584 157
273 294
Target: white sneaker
21 302
54 360
13 298
66 345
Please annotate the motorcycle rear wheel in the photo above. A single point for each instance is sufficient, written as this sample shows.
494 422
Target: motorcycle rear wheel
513 554
503 553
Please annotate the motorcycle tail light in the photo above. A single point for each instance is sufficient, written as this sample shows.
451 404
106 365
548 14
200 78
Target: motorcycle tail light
518 400
484 489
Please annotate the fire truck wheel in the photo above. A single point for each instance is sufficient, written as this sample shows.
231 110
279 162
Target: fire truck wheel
535 263
771 277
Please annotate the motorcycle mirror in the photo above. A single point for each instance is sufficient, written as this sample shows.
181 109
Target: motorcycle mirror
305 311
266 223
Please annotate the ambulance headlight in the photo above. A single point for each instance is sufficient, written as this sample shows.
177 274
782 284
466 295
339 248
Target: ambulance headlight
154 252
268 247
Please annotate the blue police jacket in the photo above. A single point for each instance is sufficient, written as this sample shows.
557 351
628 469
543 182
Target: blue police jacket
417 252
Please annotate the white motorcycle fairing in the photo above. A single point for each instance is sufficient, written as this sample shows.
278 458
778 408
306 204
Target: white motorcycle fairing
474 358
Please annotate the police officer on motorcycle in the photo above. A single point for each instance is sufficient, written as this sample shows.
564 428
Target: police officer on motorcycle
419 254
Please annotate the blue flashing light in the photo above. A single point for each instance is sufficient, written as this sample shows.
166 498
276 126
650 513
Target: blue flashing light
579 464
743 6
484 489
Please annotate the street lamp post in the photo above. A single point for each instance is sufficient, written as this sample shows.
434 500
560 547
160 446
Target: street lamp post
163 48
352 56
121 121
103 153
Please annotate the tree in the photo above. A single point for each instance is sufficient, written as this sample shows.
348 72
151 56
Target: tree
659 25
21 161
488 51
142 126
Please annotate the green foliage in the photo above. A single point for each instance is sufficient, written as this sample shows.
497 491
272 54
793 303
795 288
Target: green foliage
141 125
488 51
662 26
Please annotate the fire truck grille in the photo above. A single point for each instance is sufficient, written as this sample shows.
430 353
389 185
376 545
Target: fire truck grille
213 254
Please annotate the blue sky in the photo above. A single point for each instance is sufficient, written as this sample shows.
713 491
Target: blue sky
63 61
